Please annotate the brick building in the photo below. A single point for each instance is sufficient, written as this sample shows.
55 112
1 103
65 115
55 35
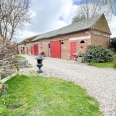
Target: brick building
64 42
26 46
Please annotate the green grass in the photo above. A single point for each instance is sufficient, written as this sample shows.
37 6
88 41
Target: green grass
40 96
21 58
103 65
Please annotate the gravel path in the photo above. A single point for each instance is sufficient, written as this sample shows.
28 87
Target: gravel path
100 83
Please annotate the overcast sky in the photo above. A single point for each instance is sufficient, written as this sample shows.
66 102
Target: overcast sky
52 14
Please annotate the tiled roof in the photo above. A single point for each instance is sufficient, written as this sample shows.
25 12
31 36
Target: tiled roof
74 27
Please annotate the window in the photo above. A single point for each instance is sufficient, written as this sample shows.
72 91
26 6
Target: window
82 41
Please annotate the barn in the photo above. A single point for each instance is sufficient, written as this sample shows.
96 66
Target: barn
64 42
27 47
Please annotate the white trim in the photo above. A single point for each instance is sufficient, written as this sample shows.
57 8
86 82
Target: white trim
79 38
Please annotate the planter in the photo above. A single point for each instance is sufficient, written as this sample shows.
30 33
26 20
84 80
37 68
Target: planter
80 59
23 63
39 64
75 57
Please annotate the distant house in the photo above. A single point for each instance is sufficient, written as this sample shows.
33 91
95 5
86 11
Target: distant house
64 42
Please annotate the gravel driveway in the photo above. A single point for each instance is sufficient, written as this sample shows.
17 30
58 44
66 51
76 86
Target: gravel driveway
100 83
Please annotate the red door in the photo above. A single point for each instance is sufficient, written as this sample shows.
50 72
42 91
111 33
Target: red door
55 49
35 46
73 49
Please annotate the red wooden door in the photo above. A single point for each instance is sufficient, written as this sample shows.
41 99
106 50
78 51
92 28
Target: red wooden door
73 49
55 49
35 46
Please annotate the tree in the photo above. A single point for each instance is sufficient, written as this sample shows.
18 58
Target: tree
8 57
91 8
13 16
111 4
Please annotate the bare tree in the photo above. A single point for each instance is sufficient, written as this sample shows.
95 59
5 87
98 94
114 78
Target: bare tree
8 57
91 8
110 3
13 15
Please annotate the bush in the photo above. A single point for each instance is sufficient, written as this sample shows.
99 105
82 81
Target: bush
113 44
99 53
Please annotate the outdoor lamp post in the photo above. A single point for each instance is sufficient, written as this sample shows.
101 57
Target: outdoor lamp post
39 64
89 58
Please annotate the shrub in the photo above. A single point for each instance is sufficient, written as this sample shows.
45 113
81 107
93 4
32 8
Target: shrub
99 53
113 44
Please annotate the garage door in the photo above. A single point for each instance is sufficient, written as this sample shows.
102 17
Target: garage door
73 49
35 46
55 49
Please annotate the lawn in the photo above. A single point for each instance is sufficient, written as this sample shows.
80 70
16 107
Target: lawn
103 65
40 96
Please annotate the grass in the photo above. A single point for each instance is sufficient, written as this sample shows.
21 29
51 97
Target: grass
39 96
103 65
21 58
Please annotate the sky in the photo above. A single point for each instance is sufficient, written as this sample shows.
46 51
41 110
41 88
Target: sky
47 15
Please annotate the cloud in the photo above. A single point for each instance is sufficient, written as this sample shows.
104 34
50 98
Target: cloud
24 34
49 15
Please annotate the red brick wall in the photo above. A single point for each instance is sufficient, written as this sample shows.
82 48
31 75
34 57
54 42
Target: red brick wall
83 46
65 48
96 38
102 25
100 38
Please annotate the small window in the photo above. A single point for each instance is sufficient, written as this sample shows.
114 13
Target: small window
82 41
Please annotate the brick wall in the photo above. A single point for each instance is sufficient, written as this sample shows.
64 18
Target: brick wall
83 46
100 38
65 48
24 48
102 25
96 38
